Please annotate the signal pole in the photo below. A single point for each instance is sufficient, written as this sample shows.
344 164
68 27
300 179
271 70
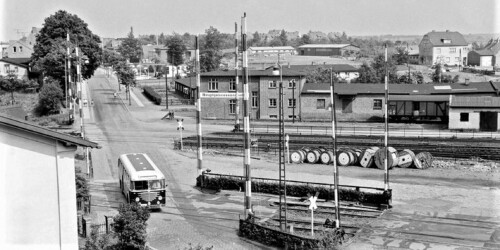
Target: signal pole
246 121
334 139
386 168
198 105
237 118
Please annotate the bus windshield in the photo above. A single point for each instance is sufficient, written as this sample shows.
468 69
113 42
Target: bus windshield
152 184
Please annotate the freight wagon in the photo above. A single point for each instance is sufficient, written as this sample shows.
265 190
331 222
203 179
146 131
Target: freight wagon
418 107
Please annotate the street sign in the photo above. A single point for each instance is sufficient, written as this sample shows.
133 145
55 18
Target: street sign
312 206
220 95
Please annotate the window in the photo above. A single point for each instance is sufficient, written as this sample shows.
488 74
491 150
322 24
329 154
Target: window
272 102
447 59
438 51
291 84
453 50
273 116
232 85
232 106
213 85
14 49
7 68
377 104
272 84
292 116
16 69
464 117
20 48
291 103
457 59
446 40
320 104
255 99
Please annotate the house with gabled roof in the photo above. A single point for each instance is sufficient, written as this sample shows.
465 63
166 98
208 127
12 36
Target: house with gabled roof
443 47
487 56
37 176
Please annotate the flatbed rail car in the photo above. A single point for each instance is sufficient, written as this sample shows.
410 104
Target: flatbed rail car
418 107
141 181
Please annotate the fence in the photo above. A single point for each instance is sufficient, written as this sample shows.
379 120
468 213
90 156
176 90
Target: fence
175 101
84 224
83 204
373 131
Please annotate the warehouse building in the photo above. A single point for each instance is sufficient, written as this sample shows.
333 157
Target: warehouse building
328 50
365 102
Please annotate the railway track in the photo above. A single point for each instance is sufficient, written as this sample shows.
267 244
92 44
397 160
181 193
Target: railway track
445 148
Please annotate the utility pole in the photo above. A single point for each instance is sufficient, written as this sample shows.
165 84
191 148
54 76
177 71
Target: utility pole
237 118
294 101
386 168
246 121
282 164
408 62
198 106
334 139
166 86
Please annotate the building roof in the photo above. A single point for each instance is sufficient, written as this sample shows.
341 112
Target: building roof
188 81
475 101
271 48
336 46
15 123
22 62
336 67
437 38
484 52
264 72
402 89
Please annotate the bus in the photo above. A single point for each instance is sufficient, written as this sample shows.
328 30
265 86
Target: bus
141 181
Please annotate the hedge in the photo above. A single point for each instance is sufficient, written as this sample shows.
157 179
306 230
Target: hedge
152 95
273 237
272 187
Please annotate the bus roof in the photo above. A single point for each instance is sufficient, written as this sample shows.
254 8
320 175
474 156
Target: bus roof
140 166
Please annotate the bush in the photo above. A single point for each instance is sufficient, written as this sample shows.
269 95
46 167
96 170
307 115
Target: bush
298 190
152 95
129 225
50 96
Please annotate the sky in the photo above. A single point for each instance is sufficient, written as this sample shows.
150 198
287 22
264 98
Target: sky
113 18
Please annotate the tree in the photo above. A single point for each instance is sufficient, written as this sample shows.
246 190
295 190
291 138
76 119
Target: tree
379 66
111 58
125 74
82 185
211 50
12 84
129 225
256 39
131 47
320 75
401 56
49 98
49 52
305 39
366 74
176 49
283 38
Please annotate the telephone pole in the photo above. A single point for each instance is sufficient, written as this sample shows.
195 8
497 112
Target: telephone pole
246 122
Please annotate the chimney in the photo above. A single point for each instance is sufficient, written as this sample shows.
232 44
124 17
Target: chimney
466 81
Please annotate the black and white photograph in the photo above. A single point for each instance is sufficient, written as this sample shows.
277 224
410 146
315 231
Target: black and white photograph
250 124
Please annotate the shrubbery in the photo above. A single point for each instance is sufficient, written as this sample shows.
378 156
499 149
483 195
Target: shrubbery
272 187
50 96
152 95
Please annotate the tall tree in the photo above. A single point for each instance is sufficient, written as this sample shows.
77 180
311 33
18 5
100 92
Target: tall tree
305 39
256 39
211 50
49 52
367 74
176 50
283 38
49 98
131 47
401 55
379 66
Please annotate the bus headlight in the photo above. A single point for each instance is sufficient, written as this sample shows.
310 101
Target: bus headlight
149 203
137 199
158 202
160 198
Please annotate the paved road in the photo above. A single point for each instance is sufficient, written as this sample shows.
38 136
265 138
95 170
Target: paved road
190 216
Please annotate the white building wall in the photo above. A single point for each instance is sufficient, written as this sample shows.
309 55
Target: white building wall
445 55
38 193
20 71
455 123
